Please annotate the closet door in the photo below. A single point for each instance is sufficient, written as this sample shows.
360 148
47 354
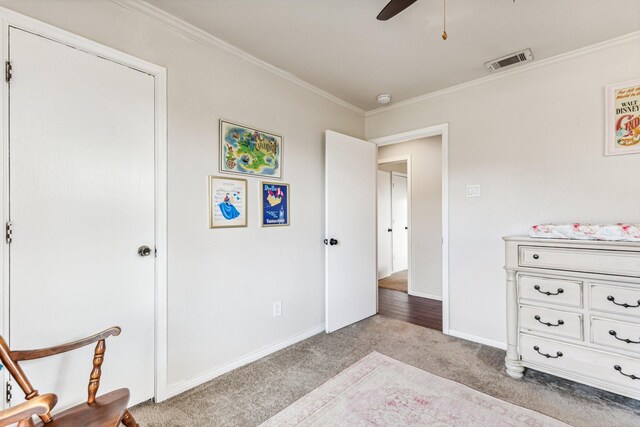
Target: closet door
384 225
400 222
81 206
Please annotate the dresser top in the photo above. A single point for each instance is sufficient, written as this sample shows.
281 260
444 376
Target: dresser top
604 244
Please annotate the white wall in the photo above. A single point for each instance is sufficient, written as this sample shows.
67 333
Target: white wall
426 211
222 283
533 141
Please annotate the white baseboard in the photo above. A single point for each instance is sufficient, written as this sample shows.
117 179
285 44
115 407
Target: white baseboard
183 386
475 338
425 295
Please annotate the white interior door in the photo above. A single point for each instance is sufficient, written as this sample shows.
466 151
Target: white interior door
384 224
81 203
350 199
400 222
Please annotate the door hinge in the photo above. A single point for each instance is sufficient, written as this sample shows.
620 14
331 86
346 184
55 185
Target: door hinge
8 71
9 394
9 232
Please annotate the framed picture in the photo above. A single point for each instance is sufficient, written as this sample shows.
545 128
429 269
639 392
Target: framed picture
227 202
623 118
275 204
248 151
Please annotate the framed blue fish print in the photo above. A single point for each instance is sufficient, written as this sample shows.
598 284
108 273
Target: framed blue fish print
227 202
275 204
248 151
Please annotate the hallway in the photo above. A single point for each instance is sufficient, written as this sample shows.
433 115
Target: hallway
402 306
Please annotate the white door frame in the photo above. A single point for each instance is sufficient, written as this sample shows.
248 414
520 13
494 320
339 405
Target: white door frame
400 159
10 18
443 131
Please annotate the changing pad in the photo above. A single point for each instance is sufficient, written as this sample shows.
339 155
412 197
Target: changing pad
611 232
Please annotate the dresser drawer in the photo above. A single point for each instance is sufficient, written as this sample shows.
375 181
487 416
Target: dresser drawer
553 322
623 263
595 364
552 291
616 334
615 299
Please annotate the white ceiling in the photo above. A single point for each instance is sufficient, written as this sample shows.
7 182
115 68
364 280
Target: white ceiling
340 47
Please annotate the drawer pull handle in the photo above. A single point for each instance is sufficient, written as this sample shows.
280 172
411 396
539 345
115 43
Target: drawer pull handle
619 369
548 356
625 305
560 322
536 256
547 293
627 340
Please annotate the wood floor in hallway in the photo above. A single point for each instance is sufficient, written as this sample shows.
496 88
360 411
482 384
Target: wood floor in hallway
402 306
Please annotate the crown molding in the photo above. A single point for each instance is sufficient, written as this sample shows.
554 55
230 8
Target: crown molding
634 36
196 34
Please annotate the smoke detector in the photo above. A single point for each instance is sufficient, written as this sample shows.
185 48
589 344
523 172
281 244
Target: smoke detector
384 99
509 60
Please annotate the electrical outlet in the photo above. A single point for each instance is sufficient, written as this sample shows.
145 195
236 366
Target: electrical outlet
473 191
277 308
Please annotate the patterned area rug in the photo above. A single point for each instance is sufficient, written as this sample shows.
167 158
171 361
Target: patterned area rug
381 391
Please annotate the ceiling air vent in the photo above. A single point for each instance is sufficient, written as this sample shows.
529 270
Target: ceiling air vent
509 60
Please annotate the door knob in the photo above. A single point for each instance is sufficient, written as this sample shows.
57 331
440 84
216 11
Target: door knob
389 230
333 242
144 250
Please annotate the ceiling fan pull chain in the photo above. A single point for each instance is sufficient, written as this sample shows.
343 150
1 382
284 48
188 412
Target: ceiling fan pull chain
444 32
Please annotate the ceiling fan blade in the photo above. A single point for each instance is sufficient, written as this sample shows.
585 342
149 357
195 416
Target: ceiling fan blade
393 8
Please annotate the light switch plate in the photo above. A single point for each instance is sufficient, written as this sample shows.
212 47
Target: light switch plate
277 309
473 191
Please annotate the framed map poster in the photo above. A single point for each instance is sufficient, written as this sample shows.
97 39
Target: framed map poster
623 118
275 204
227 202
248 151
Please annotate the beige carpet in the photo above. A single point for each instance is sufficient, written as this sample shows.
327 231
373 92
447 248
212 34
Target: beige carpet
250 395
397 281
381 391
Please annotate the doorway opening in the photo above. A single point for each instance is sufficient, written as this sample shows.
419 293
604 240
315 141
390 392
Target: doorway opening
393 226
411 230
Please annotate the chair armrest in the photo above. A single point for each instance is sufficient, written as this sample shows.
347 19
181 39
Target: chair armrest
19 355
40 405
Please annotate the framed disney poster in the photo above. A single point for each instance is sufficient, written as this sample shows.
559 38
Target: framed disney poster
623 118
275 204
249 151
227 202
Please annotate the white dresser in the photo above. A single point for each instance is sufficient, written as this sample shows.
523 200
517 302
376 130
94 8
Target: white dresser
573 310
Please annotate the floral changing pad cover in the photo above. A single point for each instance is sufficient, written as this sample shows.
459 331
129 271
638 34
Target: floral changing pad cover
612 232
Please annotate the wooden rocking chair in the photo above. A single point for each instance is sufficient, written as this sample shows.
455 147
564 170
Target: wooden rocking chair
108 410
